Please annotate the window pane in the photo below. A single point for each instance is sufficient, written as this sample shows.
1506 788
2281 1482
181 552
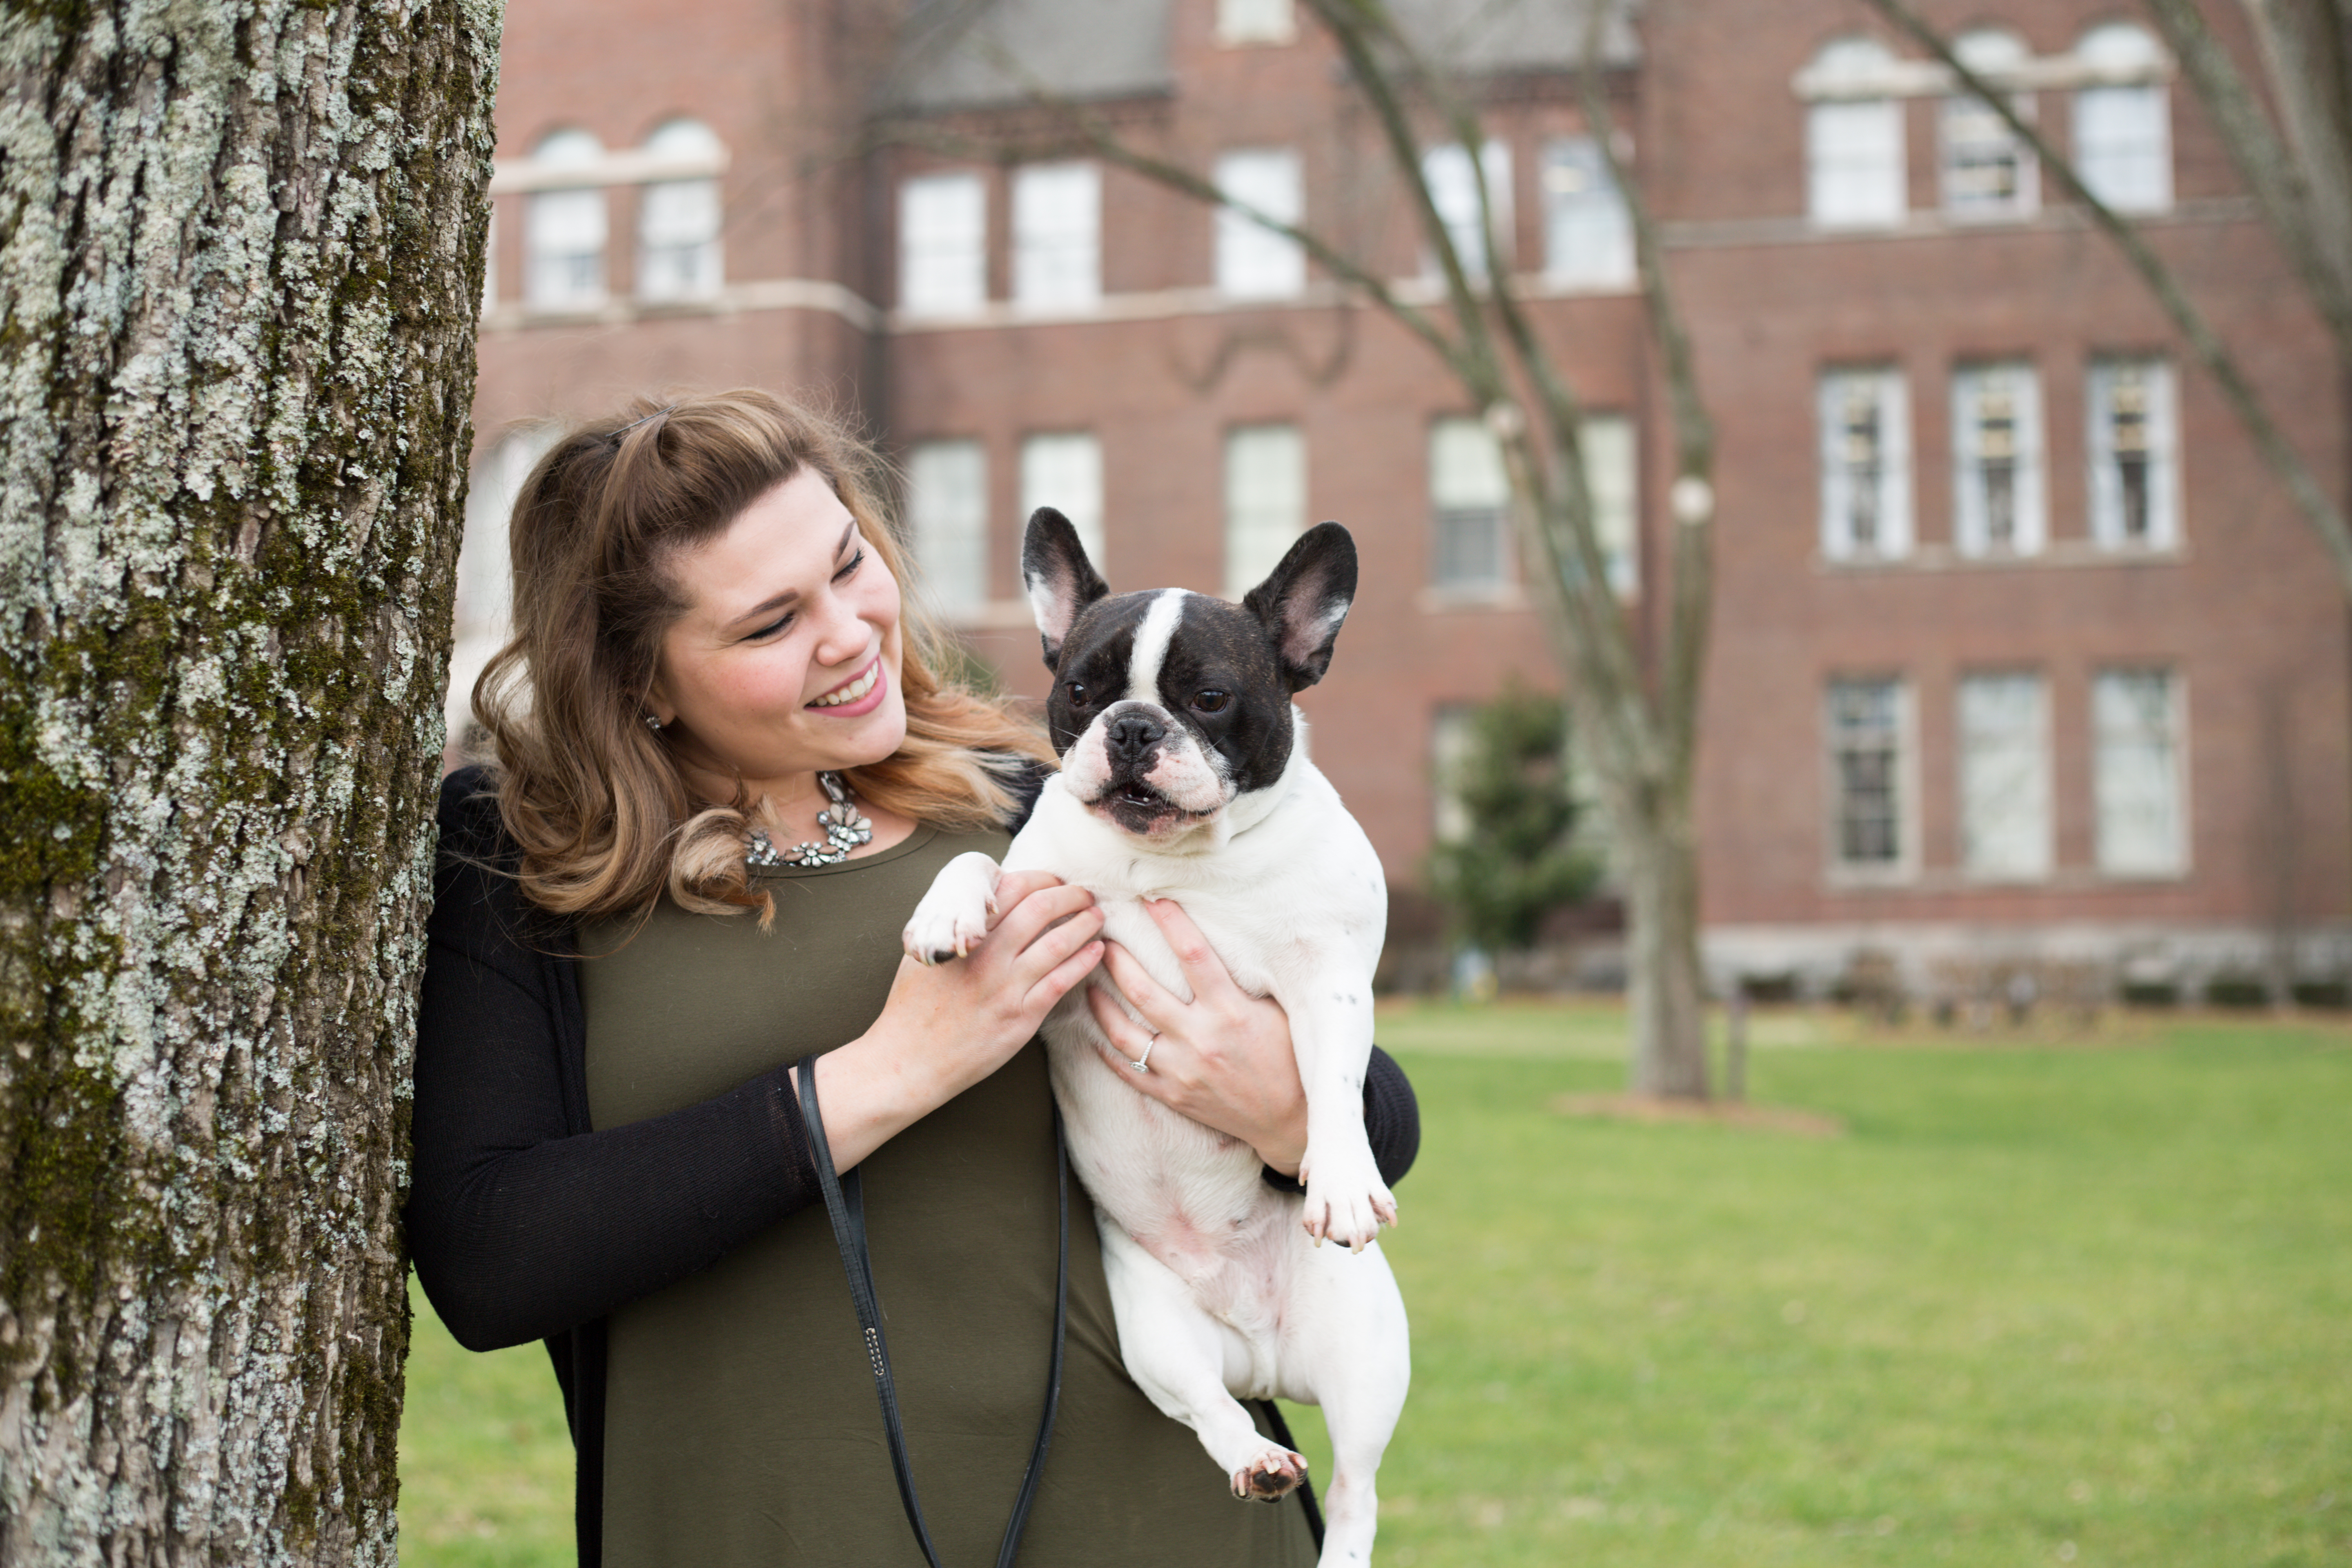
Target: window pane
1997 459
1056 235
947 512
677 231
1865 439
2123 146
942 245
2132 445
1254 21
2142 829
1588 233
564 230
1988 173
1866 736
1610 471
1468 491
1453 742
2004 775
1253 262
1266 501
1854 174
1454 191
1064 472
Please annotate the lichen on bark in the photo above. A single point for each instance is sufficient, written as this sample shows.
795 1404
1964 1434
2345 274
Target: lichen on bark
241 255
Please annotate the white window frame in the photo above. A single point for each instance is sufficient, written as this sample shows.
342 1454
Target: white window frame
1265 501
947 519
2160 418
2127 166
1453 741
943 244
680 221
1972 136
1902 782
1888 389
1973 469
1588 229
1454 191
1254 262
1469 495
2111 727
567 230
1057 237
2002 724
1612 449
1063 469
1243 22
1856 172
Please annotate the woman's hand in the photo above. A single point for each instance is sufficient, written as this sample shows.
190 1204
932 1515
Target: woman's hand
946 1027
1223 1058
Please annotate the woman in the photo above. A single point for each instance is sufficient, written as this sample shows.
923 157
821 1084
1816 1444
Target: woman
643 921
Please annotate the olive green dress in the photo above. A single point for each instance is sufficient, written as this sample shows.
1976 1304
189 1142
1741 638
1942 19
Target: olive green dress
740 1423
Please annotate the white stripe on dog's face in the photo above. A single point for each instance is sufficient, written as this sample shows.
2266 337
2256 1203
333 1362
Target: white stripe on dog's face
1152 640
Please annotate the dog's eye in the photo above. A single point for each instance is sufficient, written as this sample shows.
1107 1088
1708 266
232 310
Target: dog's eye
1077 692
1210 702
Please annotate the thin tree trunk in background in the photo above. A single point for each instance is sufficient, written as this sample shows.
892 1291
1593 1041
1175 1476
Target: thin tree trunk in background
240 260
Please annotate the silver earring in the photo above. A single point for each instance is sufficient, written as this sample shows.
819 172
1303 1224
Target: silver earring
652 724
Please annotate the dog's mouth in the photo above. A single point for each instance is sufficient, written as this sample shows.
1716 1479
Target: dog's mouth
1139 808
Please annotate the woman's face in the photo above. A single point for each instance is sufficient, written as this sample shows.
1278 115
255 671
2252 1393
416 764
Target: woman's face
786 660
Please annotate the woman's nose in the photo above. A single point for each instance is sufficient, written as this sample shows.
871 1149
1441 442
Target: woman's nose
841 633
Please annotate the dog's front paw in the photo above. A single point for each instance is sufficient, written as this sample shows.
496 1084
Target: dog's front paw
948 923
1347 1202
1271 1476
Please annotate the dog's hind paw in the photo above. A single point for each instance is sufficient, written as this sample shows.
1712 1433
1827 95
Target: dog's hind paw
1271 1476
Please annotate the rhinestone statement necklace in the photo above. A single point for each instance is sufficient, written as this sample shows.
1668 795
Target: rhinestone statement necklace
844 826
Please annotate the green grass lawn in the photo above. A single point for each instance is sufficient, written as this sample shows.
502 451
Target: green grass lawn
2080 1300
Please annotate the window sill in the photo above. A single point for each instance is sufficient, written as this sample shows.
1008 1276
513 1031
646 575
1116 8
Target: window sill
1434 601
2062 553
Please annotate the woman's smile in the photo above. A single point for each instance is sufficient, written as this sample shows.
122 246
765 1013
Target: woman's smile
861 694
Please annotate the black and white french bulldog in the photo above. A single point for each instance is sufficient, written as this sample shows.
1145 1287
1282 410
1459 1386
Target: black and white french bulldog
1184 776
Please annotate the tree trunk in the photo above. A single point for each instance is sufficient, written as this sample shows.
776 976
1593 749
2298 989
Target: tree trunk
1658 855
240 258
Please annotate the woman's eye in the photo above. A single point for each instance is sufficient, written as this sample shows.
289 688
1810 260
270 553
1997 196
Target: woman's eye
1077 690
852 564
1211 702
769 630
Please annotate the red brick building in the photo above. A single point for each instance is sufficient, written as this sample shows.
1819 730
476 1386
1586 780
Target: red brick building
2019 649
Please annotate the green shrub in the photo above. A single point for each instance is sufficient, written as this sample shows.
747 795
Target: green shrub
1519 861
2237 989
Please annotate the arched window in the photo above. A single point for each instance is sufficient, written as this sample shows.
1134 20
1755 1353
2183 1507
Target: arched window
1853 137
566 230
678 220
2123 122
1988 173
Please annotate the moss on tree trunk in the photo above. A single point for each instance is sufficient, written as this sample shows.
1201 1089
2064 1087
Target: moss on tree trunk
240 258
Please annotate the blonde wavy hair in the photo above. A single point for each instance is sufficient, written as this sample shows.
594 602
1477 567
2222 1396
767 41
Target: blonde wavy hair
603 818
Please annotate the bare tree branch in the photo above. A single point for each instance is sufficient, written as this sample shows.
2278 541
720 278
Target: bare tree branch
2309 496
2304 45
2281 186
1691 502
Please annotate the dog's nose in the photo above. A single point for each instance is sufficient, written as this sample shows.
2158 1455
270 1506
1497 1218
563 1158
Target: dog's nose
1132 734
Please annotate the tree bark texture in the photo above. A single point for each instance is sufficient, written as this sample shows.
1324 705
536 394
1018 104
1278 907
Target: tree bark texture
241 252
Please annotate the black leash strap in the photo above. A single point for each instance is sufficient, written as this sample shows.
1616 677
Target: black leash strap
844 1202
1279 1430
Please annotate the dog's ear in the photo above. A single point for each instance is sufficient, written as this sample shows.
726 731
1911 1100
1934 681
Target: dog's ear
1058 578
1305 600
